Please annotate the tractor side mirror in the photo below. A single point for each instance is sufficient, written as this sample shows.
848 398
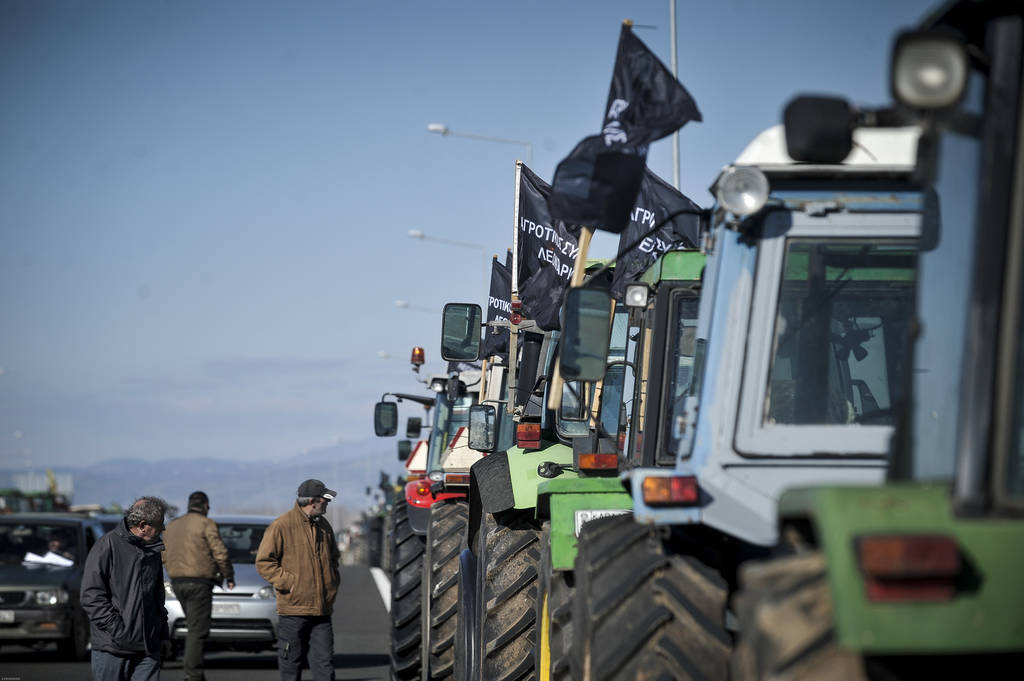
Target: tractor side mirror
404 449
483 431
385 419
460 332
413 427
588 328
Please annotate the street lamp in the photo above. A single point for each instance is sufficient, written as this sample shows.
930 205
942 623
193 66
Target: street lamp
418 234
442 129
405 305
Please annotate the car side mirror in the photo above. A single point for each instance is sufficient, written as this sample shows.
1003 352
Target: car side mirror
413 427
460 332
404 449
385 419
483 431
587 330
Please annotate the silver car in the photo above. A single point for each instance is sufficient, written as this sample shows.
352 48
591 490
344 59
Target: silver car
244 618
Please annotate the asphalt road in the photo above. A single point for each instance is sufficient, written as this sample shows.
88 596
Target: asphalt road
361 631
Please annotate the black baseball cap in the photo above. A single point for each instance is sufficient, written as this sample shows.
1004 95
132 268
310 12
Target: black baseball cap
315 488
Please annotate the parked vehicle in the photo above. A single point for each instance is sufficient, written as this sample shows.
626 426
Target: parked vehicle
920 578
799 360
42 556
243 618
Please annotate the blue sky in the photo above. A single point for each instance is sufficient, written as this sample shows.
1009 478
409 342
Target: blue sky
204 205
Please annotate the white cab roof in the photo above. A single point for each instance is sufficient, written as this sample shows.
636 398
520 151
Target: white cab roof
874 149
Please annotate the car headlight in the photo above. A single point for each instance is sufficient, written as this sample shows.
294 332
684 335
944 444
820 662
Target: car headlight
46 597
168 591
265 592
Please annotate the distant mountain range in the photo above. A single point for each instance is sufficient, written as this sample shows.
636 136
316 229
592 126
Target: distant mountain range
262 487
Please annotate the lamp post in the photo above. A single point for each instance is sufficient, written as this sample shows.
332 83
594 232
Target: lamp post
442 129
405 305
419 234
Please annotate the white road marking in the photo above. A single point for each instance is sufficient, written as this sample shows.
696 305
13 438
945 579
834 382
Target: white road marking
383 586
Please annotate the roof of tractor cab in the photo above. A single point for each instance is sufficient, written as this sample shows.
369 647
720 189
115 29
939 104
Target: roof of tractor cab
875 150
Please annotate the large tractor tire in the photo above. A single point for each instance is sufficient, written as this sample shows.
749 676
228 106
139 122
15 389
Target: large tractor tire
554 617
787 624
446 537
406 581
641 611
509 555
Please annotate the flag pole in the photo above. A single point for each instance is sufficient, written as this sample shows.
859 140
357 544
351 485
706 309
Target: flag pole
514 297
675 74
578 274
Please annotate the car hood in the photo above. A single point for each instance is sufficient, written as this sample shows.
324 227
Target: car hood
247 579
38 575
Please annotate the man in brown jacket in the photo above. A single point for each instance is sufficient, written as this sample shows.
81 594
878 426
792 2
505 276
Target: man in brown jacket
196 560
299 557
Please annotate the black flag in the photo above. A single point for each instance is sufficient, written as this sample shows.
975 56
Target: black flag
547 252
597 183
499 307
656 201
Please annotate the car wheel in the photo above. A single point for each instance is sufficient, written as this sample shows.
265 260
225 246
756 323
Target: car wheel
76 645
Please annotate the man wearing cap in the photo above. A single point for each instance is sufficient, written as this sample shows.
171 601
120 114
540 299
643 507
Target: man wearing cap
299 557
196 561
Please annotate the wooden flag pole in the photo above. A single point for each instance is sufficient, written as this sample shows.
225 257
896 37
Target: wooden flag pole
579 272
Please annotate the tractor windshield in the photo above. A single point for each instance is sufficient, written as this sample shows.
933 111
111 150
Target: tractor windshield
840 351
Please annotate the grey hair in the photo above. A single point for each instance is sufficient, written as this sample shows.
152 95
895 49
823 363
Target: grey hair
305 501
146 511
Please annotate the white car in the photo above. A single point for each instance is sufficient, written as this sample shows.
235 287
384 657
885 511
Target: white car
244 618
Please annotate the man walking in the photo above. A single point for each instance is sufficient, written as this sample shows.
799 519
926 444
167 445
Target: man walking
299 557
196 561
123 595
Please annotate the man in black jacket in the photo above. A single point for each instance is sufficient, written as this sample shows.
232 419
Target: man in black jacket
123 594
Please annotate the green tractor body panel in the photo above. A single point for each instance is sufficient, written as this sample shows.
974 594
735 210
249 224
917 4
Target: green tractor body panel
986 614
522 467
675 266
570 502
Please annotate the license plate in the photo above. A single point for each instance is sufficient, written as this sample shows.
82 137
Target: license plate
226 609
586 515
6 616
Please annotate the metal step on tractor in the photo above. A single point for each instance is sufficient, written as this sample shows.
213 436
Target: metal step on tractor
920 578
799 359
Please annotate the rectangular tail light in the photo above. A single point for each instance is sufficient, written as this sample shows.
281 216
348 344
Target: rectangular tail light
680 490
908 567
456 478
598 462
528 435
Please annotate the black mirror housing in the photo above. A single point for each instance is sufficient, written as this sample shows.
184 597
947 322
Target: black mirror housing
587 330
404 449
385 419
460 332
483 429
413 427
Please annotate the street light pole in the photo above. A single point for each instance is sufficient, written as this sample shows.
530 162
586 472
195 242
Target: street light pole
418 234
444 130
675 74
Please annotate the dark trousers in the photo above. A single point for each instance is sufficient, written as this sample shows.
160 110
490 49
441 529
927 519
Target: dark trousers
196 601
110 667
299 637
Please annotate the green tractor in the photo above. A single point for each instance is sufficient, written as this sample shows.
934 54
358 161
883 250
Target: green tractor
920 578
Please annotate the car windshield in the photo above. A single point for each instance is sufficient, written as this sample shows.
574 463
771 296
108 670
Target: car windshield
39 543
242 540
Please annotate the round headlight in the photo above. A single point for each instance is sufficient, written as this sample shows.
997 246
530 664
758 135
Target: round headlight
742 190
436 476
265 592
928 71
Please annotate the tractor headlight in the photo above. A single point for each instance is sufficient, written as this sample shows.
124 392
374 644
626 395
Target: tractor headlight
742 190
929 71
